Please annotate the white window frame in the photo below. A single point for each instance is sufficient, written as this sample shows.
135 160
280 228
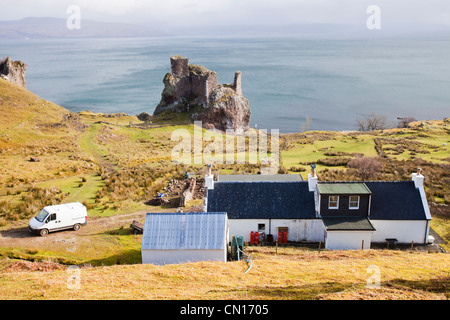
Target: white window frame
350 202
337 202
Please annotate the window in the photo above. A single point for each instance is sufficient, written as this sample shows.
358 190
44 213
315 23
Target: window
261 227
51 217
333 202
42 215
353 202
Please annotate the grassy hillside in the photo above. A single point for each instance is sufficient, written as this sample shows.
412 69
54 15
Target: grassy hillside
115 164
288 274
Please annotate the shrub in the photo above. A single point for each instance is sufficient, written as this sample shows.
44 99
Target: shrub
366 168
334 161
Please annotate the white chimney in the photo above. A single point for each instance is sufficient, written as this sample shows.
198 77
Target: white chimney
312 178
209 179
418 178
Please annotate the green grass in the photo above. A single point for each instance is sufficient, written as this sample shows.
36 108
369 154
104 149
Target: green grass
87 143
441 225
311 152
77 189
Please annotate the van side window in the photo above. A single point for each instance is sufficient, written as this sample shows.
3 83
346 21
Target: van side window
52 217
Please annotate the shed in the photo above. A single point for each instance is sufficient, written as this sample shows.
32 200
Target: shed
348 232
179 237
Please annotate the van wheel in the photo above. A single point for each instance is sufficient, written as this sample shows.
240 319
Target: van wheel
76 227
43 232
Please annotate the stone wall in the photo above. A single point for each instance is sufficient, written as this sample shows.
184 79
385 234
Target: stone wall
192 80
202 85
179 66
237 82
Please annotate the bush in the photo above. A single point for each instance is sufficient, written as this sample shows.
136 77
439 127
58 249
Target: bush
32 202
366 168
334 161
297 169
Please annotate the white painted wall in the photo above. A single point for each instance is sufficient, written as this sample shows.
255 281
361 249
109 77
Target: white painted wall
404 231
161 257
348 240
313 230
298 229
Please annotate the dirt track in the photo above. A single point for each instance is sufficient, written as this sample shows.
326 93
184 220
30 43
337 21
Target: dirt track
18 234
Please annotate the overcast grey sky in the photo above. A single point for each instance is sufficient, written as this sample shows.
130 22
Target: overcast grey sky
233 12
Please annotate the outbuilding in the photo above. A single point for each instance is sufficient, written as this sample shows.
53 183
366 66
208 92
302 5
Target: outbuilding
178 237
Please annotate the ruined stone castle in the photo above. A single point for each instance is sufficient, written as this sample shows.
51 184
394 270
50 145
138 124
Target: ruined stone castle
197 81
194 88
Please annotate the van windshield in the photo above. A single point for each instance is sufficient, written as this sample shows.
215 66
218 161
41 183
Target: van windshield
41 215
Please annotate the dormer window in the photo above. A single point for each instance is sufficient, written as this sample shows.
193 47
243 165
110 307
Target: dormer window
333 202
353 202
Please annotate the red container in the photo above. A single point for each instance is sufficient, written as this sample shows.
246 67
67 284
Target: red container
252 237
285 237
280 237
256 237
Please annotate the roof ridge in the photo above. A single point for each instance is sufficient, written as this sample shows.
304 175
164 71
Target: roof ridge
381 181
260 181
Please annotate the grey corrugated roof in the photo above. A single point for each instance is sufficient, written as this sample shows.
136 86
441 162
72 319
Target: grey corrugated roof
348 224
260 177
262 200
190 230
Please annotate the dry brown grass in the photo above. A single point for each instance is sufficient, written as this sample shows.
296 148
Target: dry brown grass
290 274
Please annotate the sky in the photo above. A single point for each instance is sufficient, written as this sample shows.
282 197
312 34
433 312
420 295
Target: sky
234 12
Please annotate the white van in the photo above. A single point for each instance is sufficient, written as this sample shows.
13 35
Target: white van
59 217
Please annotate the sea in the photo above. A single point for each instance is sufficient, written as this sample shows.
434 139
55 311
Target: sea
289 81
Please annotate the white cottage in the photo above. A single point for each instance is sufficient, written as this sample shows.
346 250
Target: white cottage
170 238
342 215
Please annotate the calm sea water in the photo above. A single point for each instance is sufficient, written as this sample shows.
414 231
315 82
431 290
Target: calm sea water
333 82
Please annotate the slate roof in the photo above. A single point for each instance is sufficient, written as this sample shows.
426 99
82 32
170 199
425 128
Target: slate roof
260 177
291 200
348 224
190 230
395 201
262 200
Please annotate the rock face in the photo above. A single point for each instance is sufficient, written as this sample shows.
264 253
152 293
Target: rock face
13 71
193 89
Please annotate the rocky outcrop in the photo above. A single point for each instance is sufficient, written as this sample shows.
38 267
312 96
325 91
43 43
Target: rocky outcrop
13 71
193 90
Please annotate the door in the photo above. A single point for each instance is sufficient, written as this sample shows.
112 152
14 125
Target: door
282 234
52 222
